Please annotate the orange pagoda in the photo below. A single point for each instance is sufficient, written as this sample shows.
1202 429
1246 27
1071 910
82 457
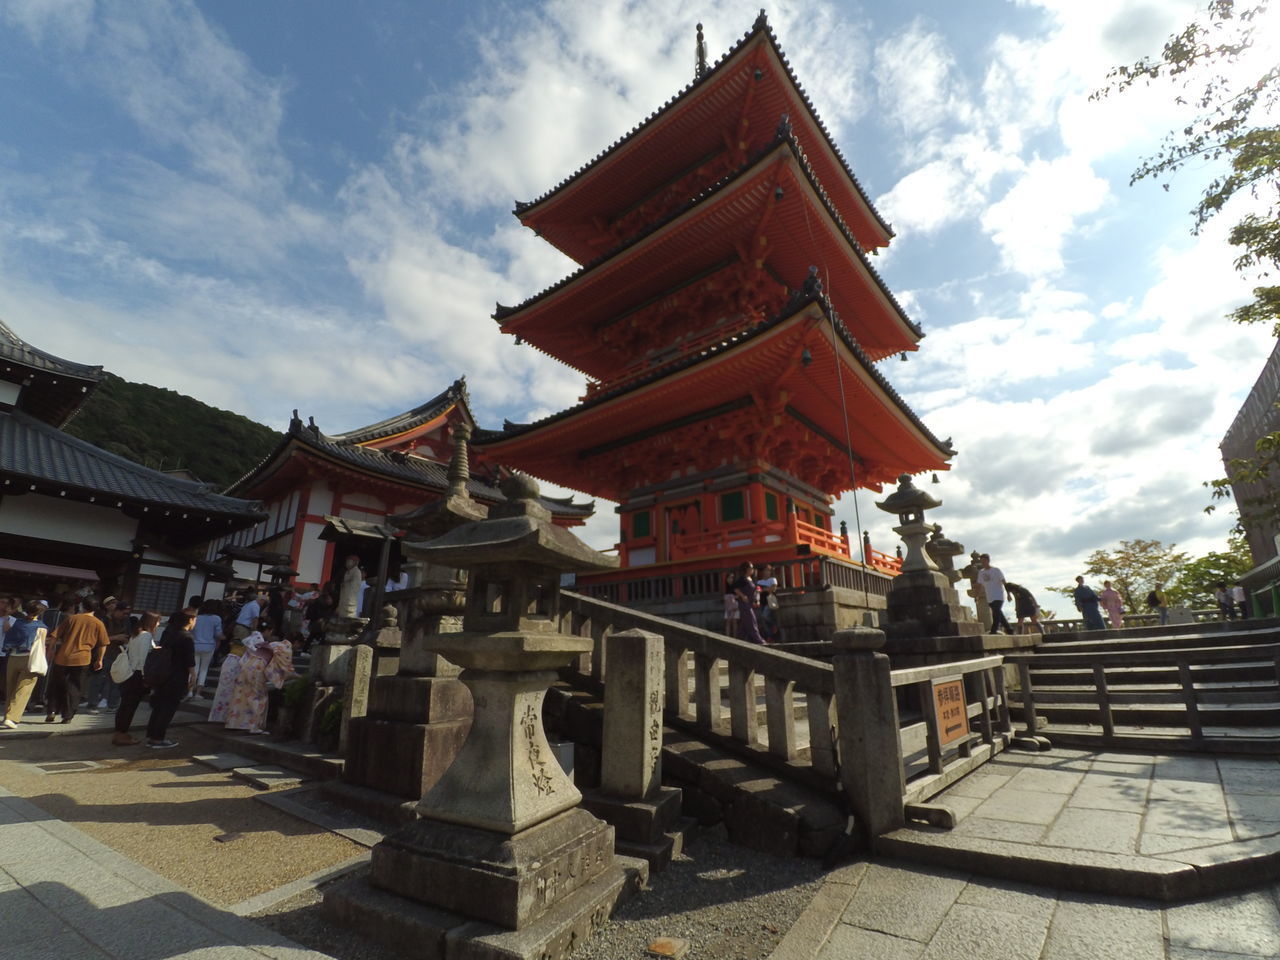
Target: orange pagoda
729 323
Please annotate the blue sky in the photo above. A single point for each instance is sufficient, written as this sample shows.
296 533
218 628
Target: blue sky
289 204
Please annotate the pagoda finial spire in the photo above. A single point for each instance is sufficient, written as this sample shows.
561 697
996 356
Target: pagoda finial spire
700 52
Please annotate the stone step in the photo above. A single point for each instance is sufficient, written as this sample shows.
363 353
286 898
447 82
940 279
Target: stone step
665 850
1251 672
1156 715
304 758
759 809
1167 638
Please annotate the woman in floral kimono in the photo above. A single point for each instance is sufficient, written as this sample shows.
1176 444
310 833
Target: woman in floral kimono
229 673
267 665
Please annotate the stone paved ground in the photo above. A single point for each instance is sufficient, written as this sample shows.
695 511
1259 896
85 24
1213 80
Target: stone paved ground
1118 802
915 913
161 810
117 860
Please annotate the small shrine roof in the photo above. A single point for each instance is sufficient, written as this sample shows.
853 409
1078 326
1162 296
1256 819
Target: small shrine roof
726 193
455 393
759 34
35 454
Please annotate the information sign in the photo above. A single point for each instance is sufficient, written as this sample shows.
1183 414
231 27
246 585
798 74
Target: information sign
949 704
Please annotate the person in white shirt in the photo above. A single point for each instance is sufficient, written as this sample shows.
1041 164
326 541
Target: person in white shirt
992 580
1241 600
133 690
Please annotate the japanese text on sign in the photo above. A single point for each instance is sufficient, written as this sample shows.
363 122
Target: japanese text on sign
949 704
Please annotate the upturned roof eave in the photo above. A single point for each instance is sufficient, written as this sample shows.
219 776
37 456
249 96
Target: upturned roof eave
16 350
761 26
508 316
454 394
488 438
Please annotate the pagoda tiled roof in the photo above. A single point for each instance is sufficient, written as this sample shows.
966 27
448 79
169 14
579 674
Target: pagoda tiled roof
761 25
14 349
708 353
35 454
397 467
455 393
784 135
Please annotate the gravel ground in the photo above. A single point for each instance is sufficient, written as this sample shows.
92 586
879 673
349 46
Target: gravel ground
162 810
730 903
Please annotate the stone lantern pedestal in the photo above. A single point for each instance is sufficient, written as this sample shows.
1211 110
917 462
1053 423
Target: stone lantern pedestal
502 861
922 601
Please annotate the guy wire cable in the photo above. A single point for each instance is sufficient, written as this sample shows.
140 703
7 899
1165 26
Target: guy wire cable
844 415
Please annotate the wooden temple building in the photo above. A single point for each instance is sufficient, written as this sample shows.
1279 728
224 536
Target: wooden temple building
729 323
329 495
72 513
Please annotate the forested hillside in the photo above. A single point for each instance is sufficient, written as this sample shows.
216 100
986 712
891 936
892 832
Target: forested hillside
168 431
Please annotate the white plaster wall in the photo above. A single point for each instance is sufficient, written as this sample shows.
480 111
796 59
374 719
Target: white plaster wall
155 570
311 556
67 521
358 500
321 501
9 393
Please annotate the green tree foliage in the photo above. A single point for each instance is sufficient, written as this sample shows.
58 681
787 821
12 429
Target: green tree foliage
1226 127
1199 577
1134 567
165 430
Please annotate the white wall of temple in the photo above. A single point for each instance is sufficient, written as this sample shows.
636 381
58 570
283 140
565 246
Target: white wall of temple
67 521
311 555
321 501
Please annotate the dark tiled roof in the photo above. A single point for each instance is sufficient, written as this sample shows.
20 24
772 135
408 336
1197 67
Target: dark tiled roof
423 413
785 135
16 350
32 451
404 468
798 303
761 25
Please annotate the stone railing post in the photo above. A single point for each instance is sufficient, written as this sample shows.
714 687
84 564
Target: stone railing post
870 749
631 761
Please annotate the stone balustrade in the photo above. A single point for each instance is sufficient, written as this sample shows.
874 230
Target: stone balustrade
768 703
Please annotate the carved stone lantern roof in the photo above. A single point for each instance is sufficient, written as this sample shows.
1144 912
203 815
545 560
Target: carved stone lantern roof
517 531
908 500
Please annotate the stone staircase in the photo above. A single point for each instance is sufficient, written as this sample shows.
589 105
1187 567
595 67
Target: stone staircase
1175 687
758 807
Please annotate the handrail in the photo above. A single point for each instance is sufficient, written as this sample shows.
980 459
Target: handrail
697 686
1076 624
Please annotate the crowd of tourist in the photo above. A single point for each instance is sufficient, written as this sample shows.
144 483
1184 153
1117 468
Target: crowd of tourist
80 654
751 605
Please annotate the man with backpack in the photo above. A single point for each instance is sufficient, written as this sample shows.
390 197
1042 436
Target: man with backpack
169 672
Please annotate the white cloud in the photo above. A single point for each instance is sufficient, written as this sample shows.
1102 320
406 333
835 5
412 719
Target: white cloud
1035 219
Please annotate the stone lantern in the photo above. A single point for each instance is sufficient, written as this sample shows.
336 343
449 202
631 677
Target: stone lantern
500 837
922 601
943 553
909 502
505 777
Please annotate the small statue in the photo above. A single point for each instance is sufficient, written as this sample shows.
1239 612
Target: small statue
349 593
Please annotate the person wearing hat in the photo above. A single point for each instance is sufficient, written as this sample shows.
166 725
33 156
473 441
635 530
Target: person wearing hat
19 640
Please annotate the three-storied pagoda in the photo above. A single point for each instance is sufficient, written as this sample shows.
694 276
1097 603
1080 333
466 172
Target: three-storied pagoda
728 322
